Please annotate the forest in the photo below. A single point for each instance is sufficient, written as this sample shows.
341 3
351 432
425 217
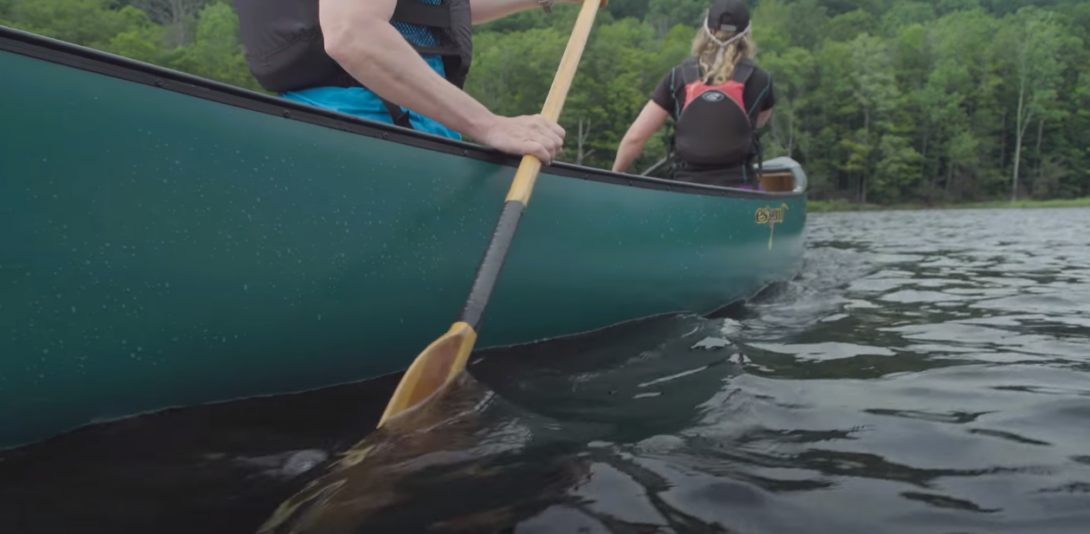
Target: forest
881 101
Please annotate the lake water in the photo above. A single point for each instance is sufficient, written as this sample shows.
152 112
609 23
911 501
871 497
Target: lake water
927 372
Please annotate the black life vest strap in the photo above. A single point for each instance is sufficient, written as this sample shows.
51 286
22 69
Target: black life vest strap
421 14
430 15
690 71
398 115
409 12
742 70
741 74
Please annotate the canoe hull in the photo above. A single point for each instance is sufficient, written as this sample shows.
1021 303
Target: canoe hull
170 241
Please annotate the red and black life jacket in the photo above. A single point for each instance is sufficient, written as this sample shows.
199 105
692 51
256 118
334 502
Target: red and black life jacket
713 128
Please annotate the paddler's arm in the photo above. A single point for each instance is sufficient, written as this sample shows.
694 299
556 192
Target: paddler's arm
763 117
646 124
359 36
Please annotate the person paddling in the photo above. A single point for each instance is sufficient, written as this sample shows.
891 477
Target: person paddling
718 98
396 61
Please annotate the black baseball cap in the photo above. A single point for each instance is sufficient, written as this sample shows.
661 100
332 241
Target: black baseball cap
728 15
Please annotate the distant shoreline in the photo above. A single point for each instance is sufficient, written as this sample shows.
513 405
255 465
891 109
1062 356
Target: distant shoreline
824 206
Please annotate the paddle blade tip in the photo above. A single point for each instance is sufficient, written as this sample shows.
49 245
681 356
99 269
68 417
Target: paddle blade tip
433 368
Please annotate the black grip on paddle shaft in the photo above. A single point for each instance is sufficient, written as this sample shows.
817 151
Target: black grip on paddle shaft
492 263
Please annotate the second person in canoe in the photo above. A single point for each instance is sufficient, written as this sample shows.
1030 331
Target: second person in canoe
718 98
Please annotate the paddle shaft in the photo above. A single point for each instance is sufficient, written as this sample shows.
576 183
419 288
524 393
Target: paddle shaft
488 272
447 356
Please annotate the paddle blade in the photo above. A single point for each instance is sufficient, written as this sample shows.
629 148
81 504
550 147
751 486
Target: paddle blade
434 368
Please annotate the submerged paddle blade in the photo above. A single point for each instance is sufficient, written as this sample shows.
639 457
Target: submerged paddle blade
435 367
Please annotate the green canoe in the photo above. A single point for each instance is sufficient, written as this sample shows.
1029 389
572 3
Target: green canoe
169 241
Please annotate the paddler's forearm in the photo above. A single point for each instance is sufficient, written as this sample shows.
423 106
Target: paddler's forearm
627 151
650 119
763 117
373 52
489 10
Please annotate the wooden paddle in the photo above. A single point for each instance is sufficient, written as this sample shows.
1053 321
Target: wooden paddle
446 357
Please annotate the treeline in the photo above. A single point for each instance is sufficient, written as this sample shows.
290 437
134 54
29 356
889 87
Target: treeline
882 101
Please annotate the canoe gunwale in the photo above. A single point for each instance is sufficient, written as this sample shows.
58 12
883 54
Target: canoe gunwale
89 59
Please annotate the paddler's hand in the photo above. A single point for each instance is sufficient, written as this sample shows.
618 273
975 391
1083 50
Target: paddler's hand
525 134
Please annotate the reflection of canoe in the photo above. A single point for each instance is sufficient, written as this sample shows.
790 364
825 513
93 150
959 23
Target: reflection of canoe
170 240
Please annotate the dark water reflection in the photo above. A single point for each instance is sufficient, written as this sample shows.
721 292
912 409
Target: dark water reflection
926 373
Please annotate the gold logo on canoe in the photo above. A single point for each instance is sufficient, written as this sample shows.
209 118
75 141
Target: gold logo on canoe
770 216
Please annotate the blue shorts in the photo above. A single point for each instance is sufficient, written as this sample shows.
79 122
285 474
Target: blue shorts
365 104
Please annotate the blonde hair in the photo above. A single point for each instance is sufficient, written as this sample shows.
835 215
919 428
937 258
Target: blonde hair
717 62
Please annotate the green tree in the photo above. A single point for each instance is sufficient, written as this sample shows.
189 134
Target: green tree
881 100
1033 37
665 14
216 51
84 22
874 87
